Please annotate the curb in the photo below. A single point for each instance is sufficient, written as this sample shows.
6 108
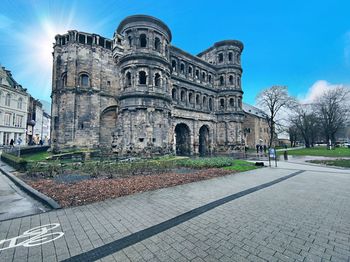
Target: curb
31 191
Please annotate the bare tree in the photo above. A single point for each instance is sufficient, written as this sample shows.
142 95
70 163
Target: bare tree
272 101
305 121
293 135
332 110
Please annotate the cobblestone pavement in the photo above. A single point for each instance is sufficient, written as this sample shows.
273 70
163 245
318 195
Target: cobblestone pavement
303 218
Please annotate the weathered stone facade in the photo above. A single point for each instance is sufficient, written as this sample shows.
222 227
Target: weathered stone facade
138 94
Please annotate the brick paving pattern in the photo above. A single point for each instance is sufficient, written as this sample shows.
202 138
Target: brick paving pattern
304 218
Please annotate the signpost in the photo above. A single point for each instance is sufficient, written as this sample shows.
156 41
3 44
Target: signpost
273 156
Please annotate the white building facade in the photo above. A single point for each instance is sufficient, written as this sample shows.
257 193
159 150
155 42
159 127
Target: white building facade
13 109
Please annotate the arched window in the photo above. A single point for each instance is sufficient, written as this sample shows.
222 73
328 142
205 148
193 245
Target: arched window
190 97
84 80
157 44
19 103
239 103
182 96
64 80
173 65
221 80
232 102
157 79
173 93
222 103
142 78
203 76
204 101
209 78
197 99
210 104
190 70
230 56
182 68
221 57
143 40
128 79
130 40
231 79
197 74
8 100
238 81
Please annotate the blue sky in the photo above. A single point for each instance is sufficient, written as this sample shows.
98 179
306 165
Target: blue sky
304 45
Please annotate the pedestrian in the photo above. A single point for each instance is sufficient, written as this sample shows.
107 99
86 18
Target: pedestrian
265 148
261 149
41 142
257 148
11 142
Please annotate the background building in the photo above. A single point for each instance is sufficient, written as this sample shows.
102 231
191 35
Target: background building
13 109
255 126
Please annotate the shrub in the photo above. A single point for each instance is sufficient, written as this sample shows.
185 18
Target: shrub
14 161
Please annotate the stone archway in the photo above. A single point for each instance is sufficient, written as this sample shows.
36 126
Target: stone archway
183 140
108 123
204 141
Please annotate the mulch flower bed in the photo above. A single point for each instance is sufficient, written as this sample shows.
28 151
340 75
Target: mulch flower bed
98 189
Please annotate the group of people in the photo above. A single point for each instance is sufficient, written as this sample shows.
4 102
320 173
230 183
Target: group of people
261 148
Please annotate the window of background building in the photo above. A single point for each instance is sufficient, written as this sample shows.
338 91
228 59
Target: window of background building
7 119
8 100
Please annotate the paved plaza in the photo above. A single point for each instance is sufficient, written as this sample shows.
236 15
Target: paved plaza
295 212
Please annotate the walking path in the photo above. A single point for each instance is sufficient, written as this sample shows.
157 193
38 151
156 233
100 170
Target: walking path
13 201
293 212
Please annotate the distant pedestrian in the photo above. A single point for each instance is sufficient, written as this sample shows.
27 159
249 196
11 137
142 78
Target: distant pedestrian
11 142
41 142
261 149
265 149
257 149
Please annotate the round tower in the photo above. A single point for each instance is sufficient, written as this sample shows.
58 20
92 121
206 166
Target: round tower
141 51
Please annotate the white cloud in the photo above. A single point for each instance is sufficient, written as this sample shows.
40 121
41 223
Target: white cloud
317 89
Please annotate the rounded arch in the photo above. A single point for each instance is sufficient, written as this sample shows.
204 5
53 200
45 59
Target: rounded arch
84 79
182 140
108 123
204 141
143 40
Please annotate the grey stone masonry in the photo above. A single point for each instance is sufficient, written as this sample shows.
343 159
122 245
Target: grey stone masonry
137 94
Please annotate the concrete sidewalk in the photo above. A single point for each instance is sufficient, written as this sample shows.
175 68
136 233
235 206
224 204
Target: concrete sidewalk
306 216
13 201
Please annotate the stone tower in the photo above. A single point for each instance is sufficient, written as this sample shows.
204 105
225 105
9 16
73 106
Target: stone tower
137 94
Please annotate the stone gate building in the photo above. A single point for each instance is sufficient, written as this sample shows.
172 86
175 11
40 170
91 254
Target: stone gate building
139 94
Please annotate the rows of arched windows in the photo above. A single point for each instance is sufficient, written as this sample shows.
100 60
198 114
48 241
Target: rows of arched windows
190 71
230 103
231 81
229 57
84 80
192 99
142 79
143 41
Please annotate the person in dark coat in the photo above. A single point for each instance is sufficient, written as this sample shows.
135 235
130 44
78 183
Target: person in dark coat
265 148
257 149
12 142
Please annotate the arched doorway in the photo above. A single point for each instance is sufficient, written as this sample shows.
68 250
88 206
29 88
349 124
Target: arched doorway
204 141
183 140
108 123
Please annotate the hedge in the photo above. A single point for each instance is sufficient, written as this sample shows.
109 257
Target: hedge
14 161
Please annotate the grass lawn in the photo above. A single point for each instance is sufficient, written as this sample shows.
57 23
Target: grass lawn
41 156
321 151
337 162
